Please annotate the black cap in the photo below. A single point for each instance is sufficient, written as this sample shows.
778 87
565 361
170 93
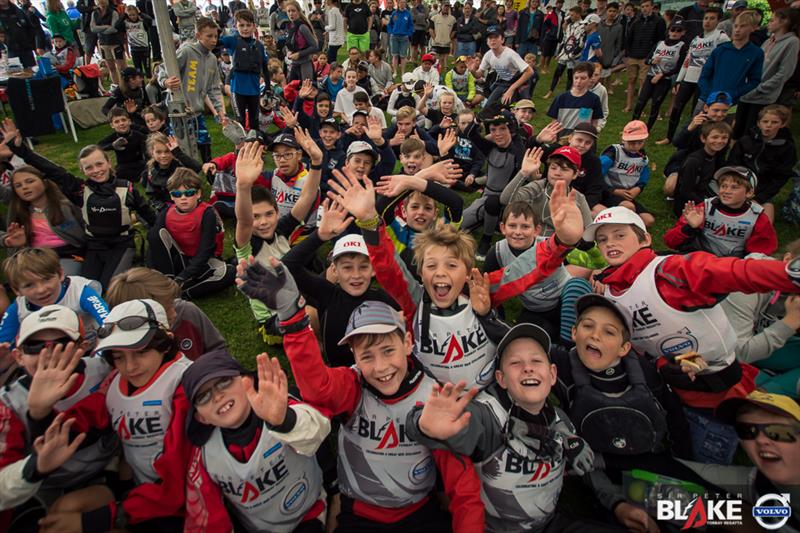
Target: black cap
677 24
212 365
286 139
597 300
524 330
131 72
587 128
329 122
362 65
360 112
494 30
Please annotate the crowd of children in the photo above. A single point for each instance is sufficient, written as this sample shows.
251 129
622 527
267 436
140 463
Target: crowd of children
471 305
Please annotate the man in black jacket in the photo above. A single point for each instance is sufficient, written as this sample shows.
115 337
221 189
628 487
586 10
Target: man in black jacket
643 34
20 35
529 29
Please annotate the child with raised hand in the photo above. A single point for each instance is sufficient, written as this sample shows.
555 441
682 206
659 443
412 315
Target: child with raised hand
128 145
166 157
347 283
511 431
454 336
260 229
148 415
251 433
626 170
728 224
32 466
375 453
186 241
674 300
193 330
36 276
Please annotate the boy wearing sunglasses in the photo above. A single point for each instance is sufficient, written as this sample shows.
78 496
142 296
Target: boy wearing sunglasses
26 468
144 403
254 447
187 238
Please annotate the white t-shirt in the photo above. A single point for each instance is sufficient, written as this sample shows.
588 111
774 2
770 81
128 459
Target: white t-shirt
373 112
507 64
344 101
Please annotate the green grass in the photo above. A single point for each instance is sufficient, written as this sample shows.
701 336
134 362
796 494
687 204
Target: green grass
229 310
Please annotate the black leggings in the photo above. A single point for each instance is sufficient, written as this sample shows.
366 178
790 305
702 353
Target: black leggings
332 51
141 60
655 92
104 264
746 118
247 106
687 94
557 76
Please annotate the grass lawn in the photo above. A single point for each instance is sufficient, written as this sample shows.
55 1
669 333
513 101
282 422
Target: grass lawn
229 310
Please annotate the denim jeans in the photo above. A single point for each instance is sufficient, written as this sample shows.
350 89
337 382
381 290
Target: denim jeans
527 47
465 49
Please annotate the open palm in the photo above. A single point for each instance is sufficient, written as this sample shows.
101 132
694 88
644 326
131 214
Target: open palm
54 377
249 163
443 415
271 399
566 215
357 196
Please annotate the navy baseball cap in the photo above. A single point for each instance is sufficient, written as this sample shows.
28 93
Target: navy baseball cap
286 139
494 30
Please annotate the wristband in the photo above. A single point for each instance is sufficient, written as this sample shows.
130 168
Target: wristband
312 166
370 223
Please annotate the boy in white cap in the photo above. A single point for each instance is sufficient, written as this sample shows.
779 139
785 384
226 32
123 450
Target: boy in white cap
673 300
386 479
26 468
144 403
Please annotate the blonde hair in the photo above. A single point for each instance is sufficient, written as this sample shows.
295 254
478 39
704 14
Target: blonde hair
460 243
184 177
748 17
31 262
152 140
139 283
406 112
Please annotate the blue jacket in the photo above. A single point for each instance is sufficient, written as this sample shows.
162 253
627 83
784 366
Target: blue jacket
246 83
736 71
401 23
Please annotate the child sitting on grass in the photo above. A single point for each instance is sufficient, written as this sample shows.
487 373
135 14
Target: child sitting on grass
166 157
187 238
695 178
728 224
37 278
128 145
626 169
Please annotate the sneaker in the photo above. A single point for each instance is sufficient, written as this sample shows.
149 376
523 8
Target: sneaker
483 249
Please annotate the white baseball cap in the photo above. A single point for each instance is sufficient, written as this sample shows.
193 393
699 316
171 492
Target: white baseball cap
55 317
350 244
592 18
132 325
409 80
613 215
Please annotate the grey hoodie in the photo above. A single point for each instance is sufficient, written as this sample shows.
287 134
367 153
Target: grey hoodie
779 63
200 76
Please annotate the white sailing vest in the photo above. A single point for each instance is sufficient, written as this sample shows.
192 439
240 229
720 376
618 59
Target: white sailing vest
141 420
669 54
272 491
286 196
699 51
457 347
626 170
519 491
71 299
88 461
377 462
661 331
726 235
545 295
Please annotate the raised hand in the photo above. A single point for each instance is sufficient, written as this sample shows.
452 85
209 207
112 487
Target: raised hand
271 399
565 214
447 142
209 168
532 163
445 172
444 415
694 214
393 185
305 90
55 376
308 145
53 449
398 139
120 143
274 286
446 123
15 236
249 163
549 134
172 143
334 221
374 130
355 195
289 116
428 91
130 106
479 297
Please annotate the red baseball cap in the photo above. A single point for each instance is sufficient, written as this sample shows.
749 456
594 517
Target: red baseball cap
428 57
570 154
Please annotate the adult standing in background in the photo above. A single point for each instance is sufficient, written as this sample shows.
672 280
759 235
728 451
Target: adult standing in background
529 29
487 16
726 26
419 39
646 30
317 20
692 16
401 28
104 24
59 22
442 34
146 7
300 43
335 29
36 18
262 15
357 20
375 25
509 20
468 31
20 38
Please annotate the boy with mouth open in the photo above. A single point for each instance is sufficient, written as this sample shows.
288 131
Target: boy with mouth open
386 479
673 300
454 335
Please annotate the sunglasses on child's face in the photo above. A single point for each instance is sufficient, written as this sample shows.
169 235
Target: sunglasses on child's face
204 397
129 323
36 347
774 432
187 193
